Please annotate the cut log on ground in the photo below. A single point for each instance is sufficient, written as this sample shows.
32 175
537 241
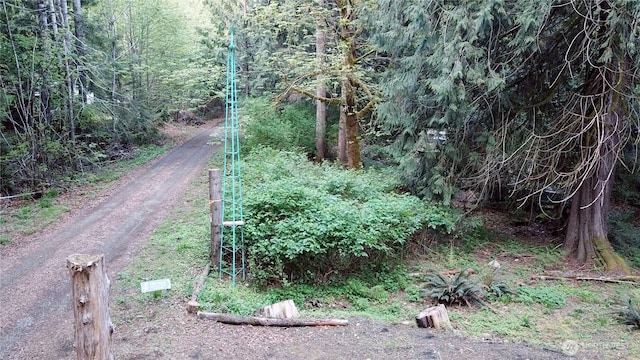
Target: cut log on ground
283 310
259 321
434 317
628 279
193 305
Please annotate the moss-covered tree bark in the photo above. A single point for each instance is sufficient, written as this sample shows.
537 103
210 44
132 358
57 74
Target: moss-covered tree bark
587 229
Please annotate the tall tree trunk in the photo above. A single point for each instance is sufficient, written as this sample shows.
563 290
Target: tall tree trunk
79 30
133 58
321 106
350 110
69 78
586 237
342 137
587 230
54 19
45 96
245 66
351 127
113 44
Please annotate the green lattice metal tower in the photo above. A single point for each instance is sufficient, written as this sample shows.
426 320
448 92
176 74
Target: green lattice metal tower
231 232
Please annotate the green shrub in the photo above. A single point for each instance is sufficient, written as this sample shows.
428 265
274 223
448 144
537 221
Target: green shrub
443 218
307 222
624 235
549 297
284 128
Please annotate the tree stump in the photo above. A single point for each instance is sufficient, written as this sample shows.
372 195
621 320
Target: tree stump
434 317
283 310
90 299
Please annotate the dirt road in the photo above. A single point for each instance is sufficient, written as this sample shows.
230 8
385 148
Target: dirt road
35 310
36 314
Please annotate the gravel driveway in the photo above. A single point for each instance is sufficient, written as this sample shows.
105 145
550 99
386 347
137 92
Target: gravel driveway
36 318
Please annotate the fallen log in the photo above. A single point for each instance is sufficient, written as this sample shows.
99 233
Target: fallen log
629 279
259 321
456 271
193 305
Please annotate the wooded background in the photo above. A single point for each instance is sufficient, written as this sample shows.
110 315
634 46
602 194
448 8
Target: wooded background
536 100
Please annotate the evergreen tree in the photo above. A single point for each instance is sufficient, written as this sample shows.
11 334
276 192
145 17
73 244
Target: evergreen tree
535 95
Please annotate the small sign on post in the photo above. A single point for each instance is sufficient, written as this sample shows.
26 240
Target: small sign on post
155 285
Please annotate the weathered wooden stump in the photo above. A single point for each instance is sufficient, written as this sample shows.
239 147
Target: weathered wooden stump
283 310
434 317
90 299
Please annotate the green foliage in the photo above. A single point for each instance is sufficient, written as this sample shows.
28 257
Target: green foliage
442 218
219 297
309 222
282 128
460 289
299 293
47 199
49 130
623 235
627 189
495 286
357 289
549 297
497 116
136 124
392 277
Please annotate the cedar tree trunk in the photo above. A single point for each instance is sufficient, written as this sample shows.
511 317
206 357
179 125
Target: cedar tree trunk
321 106
586 237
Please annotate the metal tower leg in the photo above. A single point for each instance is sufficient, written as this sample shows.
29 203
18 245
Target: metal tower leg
232 255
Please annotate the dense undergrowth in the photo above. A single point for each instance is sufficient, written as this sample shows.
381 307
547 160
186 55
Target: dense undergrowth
309 223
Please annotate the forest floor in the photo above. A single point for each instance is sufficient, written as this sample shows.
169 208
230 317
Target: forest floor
36 318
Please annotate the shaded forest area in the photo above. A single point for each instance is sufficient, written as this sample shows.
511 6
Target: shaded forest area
86 82
535 103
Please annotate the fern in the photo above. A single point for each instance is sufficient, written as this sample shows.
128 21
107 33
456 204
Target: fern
630 316
495 286
459 290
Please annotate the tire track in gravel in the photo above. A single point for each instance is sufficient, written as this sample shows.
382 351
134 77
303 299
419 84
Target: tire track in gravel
36 318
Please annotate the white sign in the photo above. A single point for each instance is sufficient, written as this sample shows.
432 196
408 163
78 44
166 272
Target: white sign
155 285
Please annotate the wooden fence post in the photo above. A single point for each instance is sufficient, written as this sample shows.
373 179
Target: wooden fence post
215 203
90 299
